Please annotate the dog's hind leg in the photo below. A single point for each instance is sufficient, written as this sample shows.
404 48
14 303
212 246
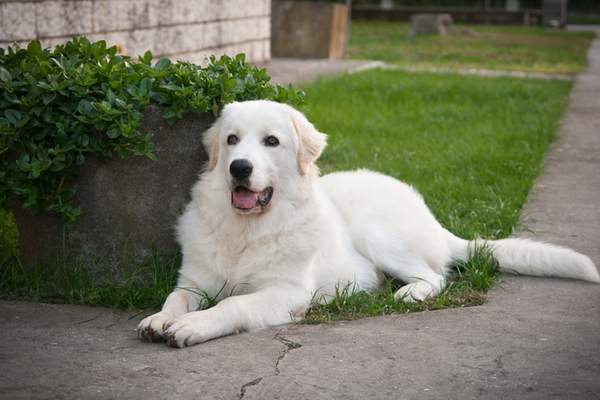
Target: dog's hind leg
419 291
392 257
421 281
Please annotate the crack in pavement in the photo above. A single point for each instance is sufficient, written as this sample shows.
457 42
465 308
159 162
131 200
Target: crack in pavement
90 319
290 345
245 385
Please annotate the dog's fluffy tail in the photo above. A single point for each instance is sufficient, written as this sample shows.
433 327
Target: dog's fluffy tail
523 256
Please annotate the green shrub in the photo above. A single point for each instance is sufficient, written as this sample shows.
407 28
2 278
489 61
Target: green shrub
81 99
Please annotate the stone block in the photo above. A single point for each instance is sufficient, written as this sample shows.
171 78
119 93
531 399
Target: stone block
249 49
139 41
265 7
266 50
239 30
132 43
198 57
129 205
17 21
308 29
256 8
233 9
258 51
51 43
212 35
113 15
555 13
188 11
165 41
119 39
237 48
63 18
430 24
179 39
188 38
263 28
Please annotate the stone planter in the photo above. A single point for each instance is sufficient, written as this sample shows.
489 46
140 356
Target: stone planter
129 206
555 13
304 29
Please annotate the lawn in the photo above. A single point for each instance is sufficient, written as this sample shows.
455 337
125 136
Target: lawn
531 49
472 146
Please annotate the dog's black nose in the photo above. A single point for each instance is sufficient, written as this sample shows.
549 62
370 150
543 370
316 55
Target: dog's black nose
240 168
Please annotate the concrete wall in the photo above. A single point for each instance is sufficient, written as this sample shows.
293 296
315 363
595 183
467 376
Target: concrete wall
180 29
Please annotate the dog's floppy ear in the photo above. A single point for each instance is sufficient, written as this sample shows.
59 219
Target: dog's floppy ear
311 142
211 144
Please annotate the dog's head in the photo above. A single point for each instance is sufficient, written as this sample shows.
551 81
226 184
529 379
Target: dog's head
262 149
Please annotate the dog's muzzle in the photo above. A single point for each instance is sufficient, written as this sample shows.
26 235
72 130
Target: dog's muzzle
246 200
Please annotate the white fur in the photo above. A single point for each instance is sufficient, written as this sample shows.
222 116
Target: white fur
347 228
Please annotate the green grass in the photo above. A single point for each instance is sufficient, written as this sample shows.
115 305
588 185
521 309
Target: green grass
145 286
472 146
467 288
531 49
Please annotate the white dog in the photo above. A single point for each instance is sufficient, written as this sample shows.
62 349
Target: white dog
264 235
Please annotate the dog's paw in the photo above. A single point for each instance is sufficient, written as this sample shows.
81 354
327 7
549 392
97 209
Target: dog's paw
190 329
413 292
152 328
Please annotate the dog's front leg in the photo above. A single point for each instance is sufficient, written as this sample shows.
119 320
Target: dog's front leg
186 297
267 307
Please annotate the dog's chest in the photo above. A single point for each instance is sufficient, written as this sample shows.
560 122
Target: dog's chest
247 261
240 259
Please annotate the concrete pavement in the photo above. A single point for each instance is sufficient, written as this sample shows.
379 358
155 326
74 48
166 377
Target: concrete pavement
533 339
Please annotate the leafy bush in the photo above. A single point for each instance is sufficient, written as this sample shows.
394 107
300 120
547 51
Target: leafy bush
59 107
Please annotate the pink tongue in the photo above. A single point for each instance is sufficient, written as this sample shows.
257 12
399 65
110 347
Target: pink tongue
244 198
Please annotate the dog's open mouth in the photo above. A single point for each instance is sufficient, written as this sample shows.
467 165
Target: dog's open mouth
245 199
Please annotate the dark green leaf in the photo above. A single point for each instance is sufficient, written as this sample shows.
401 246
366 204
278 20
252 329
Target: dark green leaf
13 116
113 133
35 48
85 107
162 64
4 75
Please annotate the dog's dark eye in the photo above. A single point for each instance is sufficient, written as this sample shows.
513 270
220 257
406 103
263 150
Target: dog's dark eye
271 141
232 139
